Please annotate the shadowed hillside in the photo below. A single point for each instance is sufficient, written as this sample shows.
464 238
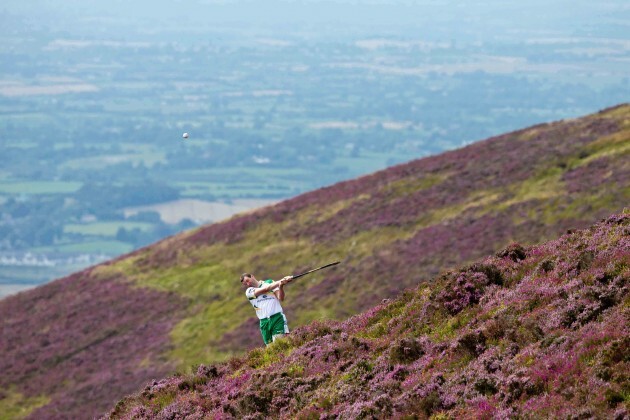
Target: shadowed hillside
542 332
78 344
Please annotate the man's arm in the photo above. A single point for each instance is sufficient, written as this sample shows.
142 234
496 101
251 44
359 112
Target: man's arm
271 286
279 292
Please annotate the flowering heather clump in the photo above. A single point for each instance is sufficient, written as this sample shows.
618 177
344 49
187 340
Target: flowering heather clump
466 291
466 287
540 332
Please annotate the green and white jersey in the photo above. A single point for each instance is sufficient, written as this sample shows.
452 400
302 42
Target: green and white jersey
266 304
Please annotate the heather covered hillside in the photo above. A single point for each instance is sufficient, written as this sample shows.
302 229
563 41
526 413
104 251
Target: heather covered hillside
77 345
539 332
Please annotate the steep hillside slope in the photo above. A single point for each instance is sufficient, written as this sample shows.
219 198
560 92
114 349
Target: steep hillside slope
78 344
542 332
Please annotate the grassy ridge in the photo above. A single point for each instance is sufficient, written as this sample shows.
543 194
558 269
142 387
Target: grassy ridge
536 332
177 303
14 405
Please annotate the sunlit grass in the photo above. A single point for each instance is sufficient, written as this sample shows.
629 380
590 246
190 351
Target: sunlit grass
616 145
17 406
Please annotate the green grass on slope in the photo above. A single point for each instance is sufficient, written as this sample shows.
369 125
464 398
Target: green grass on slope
14 405
617 146
209 277
218 305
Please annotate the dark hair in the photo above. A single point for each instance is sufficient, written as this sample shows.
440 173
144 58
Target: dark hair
245 275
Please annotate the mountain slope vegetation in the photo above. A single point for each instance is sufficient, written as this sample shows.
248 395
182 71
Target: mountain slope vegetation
78 344
540 332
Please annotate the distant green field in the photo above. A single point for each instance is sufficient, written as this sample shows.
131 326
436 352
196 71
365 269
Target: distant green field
24 145
108 247
259 181
102 161
33 118
70 145
254 173
39 187
226 193
139 148
104 228
34 274
63 145
369 160
236 190
128 105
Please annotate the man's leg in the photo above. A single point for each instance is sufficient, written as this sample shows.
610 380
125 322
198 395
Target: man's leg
280 327
265 331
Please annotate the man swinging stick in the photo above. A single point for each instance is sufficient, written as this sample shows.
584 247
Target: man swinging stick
265 297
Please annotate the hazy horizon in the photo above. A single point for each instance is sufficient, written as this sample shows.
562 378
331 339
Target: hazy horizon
485 17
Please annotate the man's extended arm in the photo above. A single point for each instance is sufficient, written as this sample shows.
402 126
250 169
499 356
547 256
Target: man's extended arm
279 292
274 285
